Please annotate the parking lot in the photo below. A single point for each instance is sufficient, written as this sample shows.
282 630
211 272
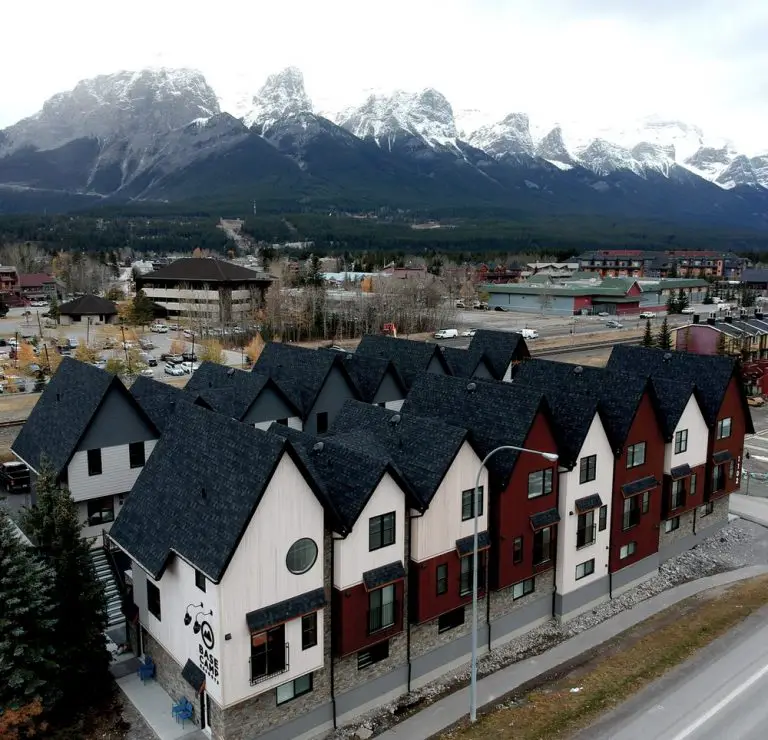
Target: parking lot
755 467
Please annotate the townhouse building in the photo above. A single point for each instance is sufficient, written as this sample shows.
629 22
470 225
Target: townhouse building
411 358
377 379
503 350
464 363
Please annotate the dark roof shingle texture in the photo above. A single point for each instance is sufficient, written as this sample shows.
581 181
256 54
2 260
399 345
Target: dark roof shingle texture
411 358
368 373
159 400
501 348
207 269
274 614
88 305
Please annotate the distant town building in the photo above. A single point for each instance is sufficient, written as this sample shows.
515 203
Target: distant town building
673 263
88 308
37 286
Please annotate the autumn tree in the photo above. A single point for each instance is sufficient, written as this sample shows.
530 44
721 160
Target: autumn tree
115 294
25 354
211 351
178 347
84 353
254 349
115 366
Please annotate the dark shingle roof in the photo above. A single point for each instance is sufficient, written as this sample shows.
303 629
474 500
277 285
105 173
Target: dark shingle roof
681 471
466 545
197 492
421 449
639 486
464 362
411 358
367 373
159 400
275 614
722 457
501 348
588 503
383 576
63 413
299 372
546 518
208 269
711 374
495 413
618 394
88 305
754 275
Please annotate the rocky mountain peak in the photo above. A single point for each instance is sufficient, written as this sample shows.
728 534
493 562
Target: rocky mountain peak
510 136
654 157
552 148
281 96
604 157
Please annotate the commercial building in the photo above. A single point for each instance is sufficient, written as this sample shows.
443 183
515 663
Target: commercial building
656 264
88 308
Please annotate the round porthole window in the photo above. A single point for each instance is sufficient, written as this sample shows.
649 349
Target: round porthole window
302 556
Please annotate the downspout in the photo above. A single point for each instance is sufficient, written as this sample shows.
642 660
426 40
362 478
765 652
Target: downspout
488 600
333 626
408 518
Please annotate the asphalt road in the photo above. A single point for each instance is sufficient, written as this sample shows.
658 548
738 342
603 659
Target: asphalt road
720 693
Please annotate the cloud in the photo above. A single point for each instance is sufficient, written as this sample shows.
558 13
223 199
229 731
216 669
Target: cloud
703 61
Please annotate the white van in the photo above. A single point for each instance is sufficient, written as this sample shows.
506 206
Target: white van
529 333
446 333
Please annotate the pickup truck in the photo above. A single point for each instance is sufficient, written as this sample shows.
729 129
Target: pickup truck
15 477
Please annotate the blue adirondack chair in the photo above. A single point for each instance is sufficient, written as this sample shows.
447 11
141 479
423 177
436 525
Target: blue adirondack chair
183 710
146 669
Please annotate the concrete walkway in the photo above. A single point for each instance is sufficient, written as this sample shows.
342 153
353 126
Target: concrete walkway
751 508
442 714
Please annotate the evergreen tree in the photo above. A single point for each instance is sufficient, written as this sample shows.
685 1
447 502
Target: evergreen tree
81 652
648 340
53 309
142 309
683 301
672 306
28 660
708 298
664 340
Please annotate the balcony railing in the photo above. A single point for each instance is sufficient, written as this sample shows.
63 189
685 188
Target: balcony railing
381 617
273 662
586 536
631 519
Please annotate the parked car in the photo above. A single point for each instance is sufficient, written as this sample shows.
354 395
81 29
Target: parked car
529 333
15 477
468 333
147 372
39 304
718 299
460 304
612 324
647 315
446 333
189 367
688 310
482 306
500 308
189 357
171 369
756 401
159 328
603 313
174 327
146 344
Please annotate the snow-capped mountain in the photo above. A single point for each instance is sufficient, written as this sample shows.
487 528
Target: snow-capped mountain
509 137
281 96
552 148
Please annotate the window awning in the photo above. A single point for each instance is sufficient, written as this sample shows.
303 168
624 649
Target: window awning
284 611
194 676
681 471
383 576
641 485
466 545
545 519
588 503
722 457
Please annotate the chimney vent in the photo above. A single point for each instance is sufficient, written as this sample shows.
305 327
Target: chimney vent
695 318
711 320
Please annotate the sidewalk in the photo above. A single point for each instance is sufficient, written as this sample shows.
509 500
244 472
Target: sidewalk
442 714
751 508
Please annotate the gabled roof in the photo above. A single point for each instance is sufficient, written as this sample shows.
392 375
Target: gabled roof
230 391
421 449
672 397
500 348
35 280
711 374
754 275
198 492
63 414
619 394
410 357
88 305
464 362
495 413
207 269
368 373
349 476
300 372
159 400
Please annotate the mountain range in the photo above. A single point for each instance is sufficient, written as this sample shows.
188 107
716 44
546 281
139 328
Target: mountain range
160 135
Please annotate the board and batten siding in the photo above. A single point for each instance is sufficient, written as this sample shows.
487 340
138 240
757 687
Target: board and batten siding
568 557
117 475
294 422
438 529
698 439
352 556
257 577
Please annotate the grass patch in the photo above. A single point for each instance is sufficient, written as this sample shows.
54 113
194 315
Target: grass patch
619 669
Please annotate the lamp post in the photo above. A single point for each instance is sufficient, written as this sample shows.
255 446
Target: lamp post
552 457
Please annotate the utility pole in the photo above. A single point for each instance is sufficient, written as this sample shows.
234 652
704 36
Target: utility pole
125 349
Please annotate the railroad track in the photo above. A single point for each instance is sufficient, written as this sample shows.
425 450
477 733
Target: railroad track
581 347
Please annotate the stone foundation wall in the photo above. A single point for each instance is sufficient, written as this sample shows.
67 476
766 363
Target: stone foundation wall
502 602
666 539
718 517
168 674
425 637
346 676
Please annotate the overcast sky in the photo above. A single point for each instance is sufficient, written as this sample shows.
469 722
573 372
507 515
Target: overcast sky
597 61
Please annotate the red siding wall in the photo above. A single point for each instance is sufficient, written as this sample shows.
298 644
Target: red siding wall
701 339
645 428
692 498
580 302
731 406
513 509
350 619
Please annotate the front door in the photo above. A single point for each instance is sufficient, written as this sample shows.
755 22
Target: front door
205 712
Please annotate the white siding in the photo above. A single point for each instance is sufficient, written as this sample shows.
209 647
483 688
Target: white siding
257 577
352 557
698 437
437 531
294 422
394 405
96 529
117 475
508 374
596 443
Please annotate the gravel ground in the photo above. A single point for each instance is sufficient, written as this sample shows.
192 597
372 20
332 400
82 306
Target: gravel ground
139 729
738 544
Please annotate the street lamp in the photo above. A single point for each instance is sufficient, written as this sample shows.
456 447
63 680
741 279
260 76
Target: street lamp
552 457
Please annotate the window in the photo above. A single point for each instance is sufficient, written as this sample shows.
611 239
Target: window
294 689
468 503
373 654
627 550
442 579
301 556
724 428
646 501
101 510
309 631
94 462
381 608
681 441
707 509
269 654
199 580
523 588
636 455
540 483
465 581
153 600
450 620
692 492
631 516
585 569
322 422
670 525
136 454
517 550
381 531
731 469
585 529
587 469
677 494
603 518
542 545
282 422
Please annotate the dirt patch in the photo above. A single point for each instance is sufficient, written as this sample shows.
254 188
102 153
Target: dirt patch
575 694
